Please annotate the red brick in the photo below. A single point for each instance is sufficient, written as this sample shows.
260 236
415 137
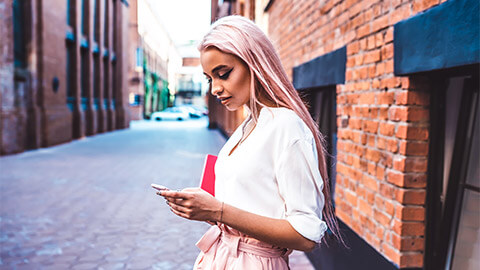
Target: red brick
387 190
411 180
378 39
412 133
411 260
380 172
351 198
413 148
380 70
387 51
365 207
383 113
400 13
410 164
385 98
408 114
371 71
355 123
380 23
409 196
353 48
371 42
381 218
412 98
380 232
370 126
421 5
405 228
387 129
363 30
391 253
412 244
370 182
372 155
410 213
372 56
389 35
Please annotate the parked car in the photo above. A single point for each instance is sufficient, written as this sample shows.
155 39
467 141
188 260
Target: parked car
193 110
171 113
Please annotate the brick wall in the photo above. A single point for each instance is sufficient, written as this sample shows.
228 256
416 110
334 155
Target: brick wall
383 120
8 112
191 62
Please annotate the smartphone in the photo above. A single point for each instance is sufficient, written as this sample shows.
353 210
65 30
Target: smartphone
160 187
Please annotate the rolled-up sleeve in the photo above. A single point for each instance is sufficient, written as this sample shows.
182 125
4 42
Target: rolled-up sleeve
300 185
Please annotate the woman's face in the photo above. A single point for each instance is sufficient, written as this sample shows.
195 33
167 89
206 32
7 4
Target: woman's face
229 77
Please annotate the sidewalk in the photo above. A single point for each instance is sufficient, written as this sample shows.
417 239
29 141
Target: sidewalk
88 204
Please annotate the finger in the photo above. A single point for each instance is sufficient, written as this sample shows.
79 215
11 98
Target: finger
174 194
191 189
180 214
179 208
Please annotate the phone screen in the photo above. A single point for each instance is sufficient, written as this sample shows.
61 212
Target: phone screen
159 187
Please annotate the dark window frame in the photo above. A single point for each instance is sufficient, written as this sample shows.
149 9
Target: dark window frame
329 130
20 23
441 226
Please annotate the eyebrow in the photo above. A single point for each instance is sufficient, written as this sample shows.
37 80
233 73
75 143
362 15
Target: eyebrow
215 69
218 68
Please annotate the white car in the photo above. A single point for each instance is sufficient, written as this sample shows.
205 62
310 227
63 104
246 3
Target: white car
171 113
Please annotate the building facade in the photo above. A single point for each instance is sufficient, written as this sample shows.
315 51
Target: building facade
393 86
154 62
61 71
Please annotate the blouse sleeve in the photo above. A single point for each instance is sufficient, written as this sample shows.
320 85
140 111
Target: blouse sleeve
300 185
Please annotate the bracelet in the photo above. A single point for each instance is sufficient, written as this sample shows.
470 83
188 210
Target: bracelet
221 213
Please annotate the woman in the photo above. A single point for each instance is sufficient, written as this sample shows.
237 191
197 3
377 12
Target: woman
271 183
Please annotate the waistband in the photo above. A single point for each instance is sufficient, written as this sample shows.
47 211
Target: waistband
235 244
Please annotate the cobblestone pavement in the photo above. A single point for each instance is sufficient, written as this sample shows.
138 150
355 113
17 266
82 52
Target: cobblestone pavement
88 204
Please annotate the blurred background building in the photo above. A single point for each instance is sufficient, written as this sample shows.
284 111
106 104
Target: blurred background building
61 67
154 62
393 85
191 83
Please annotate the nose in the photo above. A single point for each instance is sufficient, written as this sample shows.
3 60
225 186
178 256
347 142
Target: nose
216 89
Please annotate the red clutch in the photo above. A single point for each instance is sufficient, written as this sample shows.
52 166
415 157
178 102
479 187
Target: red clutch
208 175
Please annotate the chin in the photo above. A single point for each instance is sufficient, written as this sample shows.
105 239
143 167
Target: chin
232 108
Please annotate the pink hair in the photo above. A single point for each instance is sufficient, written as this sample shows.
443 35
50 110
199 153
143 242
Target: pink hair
240 37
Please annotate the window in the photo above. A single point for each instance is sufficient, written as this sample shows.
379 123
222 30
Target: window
115 26
84 77
70 72
322 105
70 13
114 82
105 23
96 77
85 17
453 195
106 94
96 30
19 34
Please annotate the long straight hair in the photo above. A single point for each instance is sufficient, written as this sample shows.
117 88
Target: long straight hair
240 37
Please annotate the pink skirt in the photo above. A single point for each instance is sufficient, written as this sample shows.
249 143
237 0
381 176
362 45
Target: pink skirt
225 248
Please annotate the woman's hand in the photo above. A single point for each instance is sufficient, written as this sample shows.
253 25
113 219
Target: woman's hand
194 204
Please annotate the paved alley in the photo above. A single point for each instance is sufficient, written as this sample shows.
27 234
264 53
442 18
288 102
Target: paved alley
88 204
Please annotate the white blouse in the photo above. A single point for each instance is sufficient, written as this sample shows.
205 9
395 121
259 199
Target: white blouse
274 172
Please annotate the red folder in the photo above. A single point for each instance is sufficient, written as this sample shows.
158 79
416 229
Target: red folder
208 175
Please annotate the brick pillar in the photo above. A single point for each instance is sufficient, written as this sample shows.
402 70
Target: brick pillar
382 151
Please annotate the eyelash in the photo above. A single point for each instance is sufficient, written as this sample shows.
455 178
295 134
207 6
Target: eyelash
225 76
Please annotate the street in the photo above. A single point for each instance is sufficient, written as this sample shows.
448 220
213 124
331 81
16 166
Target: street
88 204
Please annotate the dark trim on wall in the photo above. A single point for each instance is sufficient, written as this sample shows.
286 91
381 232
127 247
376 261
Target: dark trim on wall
359 256
328 69
444 36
